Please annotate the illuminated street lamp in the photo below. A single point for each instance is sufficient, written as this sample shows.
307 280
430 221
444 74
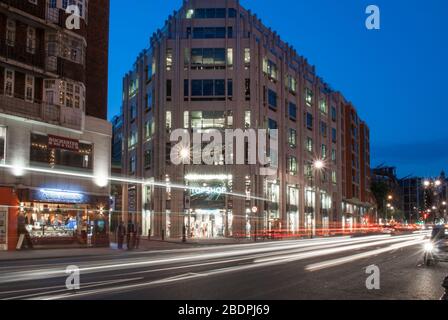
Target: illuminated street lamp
426 183
319 164
390 197
437 183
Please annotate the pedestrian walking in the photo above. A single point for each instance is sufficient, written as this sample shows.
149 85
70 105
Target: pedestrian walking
130 234
24 236
121 232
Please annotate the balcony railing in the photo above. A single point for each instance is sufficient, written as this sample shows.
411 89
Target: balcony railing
41 111
35 10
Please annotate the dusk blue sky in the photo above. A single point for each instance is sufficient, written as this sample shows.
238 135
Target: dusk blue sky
396 77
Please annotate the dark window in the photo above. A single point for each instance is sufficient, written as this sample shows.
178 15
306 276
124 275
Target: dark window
309 121
229 32
133 112
247 89
209 33
186 88
2 143
232 13
196 88
333 114
148 159
220 89
272 97
272 124
132 164
220 13
323 129
207 86
292 111
230 87
168 89
334 135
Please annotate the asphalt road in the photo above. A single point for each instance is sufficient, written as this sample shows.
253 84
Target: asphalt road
323 269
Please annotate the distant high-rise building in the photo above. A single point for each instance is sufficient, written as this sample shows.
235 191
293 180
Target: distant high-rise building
54 138
215 66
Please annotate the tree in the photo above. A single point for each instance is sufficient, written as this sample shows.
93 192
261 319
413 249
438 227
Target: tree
380 190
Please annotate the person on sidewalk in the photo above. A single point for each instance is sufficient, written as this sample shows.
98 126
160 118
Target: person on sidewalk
24 236
121 233
129 234
138 232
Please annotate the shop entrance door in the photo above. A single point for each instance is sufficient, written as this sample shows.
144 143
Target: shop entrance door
206 224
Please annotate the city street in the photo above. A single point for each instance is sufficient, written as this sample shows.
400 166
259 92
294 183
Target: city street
330 268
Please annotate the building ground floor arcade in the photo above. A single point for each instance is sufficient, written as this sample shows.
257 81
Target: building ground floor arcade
210 205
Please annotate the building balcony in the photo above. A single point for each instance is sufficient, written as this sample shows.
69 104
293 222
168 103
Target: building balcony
42 112
21 54
34 10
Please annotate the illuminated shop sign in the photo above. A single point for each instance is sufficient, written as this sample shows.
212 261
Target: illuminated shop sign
59 196
55 142
208 191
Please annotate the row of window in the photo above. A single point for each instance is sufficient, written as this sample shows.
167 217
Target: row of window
211 32
31 39
210 13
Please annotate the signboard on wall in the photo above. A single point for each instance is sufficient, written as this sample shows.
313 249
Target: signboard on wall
3 228
55 142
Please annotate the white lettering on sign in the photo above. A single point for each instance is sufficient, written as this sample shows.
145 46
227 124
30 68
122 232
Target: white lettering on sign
208 190
63 143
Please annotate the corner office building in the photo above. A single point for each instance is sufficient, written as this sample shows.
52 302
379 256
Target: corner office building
214 65
53 109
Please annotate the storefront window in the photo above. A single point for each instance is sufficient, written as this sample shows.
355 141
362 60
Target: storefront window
293 209
208 216
64 153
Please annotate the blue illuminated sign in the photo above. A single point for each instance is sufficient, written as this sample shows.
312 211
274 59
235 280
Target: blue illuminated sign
59 196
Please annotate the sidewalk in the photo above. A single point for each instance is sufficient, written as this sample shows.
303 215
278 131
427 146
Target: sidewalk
145 245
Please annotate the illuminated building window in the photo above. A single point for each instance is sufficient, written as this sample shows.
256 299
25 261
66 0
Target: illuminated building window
168 121
247 119
270 68
169 59
292 138
149 129
309 97
334 177
323 106
247 56
291 84
29 88
10 32
9 82
292 165
31 40
65 93
230 57
309 144
324 152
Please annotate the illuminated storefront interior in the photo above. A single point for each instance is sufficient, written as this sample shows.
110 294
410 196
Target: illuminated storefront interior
57 217
208 215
